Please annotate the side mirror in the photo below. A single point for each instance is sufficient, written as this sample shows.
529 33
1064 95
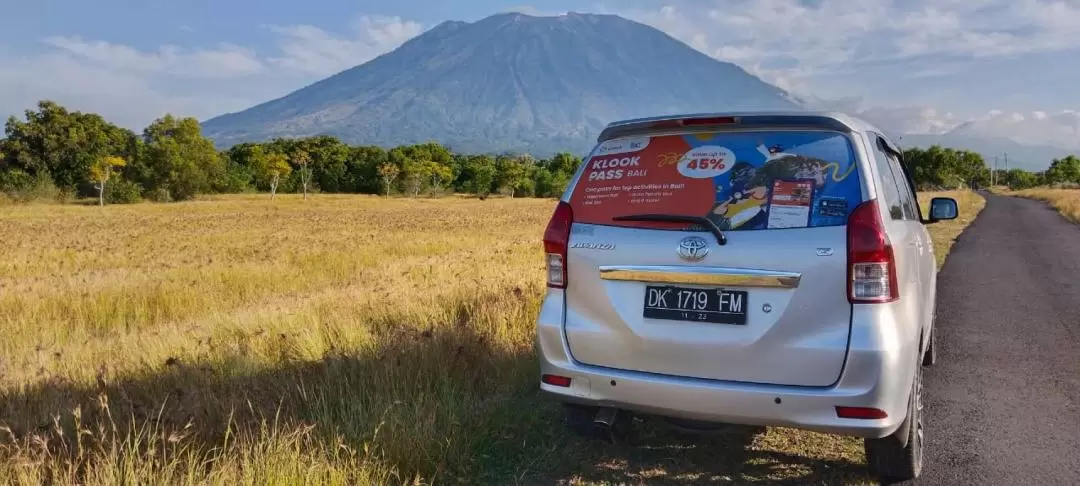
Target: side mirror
943 209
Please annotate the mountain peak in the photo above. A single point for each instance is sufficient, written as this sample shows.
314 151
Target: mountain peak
511 81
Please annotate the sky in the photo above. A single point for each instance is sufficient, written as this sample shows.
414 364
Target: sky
996 67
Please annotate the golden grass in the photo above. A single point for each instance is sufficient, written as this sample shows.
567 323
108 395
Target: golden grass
342 340
1066 201
944 233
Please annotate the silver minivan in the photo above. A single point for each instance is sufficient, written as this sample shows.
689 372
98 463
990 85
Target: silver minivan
761 269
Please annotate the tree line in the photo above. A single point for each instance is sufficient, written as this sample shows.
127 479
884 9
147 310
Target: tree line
940 167
74 154
54 152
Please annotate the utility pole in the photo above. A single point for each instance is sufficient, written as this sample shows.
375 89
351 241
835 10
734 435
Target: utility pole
993 172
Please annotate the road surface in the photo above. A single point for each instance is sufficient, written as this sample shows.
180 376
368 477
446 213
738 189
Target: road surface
1003 402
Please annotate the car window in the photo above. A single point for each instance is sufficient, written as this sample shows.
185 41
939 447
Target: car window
907 193
889 188
738 180
907 196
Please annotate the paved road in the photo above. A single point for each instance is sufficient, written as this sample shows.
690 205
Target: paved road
1003 402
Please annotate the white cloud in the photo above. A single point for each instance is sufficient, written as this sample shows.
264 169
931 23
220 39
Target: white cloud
835 47
1057 129
132 87
1061 129
795 41
223 61
310 50
535 11
911 119
126 98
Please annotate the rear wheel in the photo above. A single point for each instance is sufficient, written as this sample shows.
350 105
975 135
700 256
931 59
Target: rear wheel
889 458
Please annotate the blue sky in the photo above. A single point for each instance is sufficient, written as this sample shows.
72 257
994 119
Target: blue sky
1004 67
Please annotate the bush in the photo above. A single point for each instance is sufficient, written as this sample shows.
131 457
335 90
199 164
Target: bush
235 179
21 187
122 191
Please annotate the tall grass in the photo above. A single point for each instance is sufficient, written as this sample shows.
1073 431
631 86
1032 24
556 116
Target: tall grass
1065 200
341 340
400 328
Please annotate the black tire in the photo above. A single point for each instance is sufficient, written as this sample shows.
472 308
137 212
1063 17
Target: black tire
888 458
930 356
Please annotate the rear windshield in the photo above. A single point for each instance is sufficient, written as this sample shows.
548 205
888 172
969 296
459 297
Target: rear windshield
739 180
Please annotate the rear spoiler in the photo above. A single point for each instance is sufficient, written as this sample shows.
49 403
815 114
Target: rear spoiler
704 122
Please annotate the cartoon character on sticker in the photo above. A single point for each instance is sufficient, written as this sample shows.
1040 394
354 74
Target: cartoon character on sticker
746 204
773 152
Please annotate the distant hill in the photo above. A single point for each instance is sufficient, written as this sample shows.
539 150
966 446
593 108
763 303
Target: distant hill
508 82
1034 158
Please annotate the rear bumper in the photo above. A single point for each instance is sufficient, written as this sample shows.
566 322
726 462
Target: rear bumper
877 374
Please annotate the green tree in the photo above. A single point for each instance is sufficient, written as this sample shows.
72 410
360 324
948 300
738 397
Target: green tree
180 163
479 175
415 173
362 169
565 163
1020 179
62 145
511 174
439 174
1063 171
101 171
940 167
543 182
329 163
272 167
237 177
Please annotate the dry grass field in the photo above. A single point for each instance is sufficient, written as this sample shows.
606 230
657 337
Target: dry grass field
341 340
1066 201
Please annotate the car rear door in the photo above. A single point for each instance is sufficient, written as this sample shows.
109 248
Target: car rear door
664 296
907 233
927 264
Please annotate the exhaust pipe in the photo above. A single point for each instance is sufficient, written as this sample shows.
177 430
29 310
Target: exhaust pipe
605 417
608 424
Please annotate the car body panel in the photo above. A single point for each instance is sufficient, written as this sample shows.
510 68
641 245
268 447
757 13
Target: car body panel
796 335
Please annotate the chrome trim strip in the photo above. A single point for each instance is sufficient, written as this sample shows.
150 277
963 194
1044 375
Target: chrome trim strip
720 276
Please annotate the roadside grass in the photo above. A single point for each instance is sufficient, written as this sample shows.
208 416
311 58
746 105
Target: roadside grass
1066 201
944 233
342 340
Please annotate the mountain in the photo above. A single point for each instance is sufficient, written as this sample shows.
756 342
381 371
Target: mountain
1035 158
508 82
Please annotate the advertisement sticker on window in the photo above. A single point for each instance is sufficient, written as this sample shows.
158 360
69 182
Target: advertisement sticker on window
789 203
739 180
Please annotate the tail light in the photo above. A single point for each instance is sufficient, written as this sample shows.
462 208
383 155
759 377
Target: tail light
556 240
871 264
672 124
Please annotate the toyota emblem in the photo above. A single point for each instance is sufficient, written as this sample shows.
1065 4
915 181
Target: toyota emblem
693 248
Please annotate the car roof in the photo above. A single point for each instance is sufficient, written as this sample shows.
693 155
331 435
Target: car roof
825 119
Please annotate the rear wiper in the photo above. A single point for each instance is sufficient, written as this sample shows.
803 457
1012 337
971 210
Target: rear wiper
678 218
